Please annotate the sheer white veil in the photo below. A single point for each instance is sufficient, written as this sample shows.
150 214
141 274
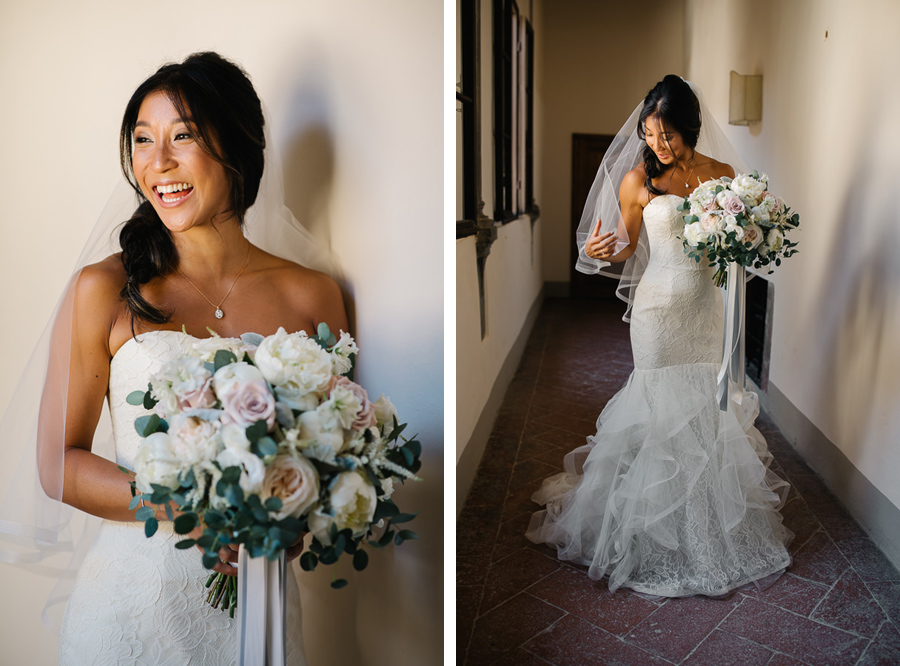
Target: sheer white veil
603 206
36 529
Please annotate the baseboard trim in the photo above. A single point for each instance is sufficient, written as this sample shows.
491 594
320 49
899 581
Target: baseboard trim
557 289
468 462
875 513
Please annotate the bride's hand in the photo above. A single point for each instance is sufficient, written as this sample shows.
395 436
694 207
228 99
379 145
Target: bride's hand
293 552
601 246
228 555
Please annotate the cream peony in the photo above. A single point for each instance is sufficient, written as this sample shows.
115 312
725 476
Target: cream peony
322 427
353 502
694 234
157 463
194 440
294 481
296 366
748 188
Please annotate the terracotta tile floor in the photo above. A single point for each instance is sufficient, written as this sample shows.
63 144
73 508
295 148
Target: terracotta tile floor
517 604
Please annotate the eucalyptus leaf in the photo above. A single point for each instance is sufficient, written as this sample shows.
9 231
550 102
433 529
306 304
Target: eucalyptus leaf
339 583
308 561
210 560
147 425
144 513
224 357
150 526
135 398
360 560
185 523
257 431
403 518
184 544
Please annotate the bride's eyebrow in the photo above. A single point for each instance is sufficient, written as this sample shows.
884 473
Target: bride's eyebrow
176 121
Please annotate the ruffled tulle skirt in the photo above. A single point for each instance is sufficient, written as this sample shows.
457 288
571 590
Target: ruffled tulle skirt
672 496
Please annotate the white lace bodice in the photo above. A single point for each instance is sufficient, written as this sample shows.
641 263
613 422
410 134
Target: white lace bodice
138 600
677 313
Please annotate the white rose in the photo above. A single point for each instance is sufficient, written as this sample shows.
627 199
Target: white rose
340 354
231 376
157 463
694 234
295 482
234 437
321 426
773 244
296 365
759 213
731 225
352 501
253 471
385 412
748 188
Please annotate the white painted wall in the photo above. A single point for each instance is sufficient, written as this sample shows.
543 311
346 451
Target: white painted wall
354 92
829 144
600 58
513 274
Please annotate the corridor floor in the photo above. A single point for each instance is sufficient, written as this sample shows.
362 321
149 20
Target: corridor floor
517 605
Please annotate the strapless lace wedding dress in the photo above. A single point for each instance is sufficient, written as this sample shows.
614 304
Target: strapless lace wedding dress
138 600
672 496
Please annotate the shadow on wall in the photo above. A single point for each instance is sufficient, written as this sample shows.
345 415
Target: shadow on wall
859 301
309 166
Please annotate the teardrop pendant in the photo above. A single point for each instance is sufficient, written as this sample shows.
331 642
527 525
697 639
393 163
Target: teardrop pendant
219 313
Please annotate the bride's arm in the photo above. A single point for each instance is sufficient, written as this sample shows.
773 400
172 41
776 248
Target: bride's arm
89 482
626 238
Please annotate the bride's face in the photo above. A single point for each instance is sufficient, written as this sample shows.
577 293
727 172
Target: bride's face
185 185
665 142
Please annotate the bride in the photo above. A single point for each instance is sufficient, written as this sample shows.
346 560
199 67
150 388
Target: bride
192 147
672 496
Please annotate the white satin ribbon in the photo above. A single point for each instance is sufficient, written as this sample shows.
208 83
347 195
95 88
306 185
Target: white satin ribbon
260 611
732 368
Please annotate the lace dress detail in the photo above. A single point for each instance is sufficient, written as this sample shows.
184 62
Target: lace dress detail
671 496
138 600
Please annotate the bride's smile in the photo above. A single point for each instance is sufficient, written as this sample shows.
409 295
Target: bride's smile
185 185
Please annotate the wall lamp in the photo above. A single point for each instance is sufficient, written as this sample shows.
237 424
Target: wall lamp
745 105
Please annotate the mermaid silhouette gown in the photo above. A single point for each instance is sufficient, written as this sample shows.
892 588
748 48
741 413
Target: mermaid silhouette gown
138 600
672 496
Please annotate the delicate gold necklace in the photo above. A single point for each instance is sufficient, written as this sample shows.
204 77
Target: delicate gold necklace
219 312
687 183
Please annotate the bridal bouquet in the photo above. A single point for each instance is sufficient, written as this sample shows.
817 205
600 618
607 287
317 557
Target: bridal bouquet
737 220
258 440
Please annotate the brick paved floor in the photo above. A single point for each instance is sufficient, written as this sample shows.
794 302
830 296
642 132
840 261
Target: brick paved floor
518 605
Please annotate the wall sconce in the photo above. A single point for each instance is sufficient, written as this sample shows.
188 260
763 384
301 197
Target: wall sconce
745 104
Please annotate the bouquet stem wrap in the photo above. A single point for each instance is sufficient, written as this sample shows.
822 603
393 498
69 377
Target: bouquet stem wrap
732 369
261 610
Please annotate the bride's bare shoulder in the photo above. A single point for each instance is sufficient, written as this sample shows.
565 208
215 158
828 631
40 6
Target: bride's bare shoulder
102 280
711 168
306 289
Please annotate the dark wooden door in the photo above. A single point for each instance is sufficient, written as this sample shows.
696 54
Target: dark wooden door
587 152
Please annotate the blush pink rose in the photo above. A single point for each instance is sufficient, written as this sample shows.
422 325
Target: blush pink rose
202 398
247 403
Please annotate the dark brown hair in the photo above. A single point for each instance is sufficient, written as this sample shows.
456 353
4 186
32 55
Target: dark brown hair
218 100
675 104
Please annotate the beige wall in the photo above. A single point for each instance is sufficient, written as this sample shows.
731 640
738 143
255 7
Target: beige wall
599 59
354 92
829 144
513 274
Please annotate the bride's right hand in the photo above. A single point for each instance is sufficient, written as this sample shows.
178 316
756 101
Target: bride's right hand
228 555
601 246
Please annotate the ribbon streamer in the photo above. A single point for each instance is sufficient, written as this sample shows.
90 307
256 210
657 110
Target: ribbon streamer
732 368
261 610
